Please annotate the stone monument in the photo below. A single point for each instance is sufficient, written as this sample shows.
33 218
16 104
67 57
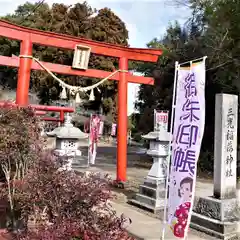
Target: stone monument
67 138
151 194
218 215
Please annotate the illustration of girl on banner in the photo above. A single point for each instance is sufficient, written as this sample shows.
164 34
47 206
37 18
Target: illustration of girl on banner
180 219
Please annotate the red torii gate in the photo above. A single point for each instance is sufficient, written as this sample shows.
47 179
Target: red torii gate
29 36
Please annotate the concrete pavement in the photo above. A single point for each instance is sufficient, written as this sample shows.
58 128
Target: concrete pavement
144 227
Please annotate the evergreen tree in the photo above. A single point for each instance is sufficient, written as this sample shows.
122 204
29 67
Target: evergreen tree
212 30
79 20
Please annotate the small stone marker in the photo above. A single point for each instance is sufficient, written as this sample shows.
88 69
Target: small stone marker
218 215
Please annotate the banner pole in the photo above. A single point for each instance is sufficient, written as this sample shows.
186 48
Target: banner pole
169 150
194 185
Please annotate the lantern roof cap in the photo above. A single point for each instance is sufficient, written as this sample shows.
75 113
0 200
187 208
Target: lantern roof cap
157 136
68 131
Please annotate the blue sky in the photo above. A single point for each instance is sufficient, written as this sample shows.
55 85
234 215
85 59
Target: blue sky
144 20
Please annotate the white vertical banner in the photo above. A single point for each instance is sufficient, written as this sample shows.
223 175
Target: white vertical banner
160 120
114 129
188 129
93 137
101 127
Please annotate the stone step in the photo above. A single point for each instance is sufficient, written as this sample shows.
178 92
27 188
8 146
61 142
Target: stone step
145 199
150 188
149 184
148 191
142 205
153 184
152 192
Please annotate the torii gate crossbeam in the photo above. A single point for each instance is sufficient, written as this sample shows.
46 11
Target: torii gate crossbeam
29 36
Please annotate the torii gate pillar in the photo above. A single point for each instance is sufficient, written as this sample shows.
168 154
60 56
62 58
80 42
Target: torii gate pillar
122 122
24 73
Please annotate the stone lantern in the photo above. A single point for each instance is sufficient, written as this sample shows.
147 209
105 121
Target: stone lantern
152 192
67 142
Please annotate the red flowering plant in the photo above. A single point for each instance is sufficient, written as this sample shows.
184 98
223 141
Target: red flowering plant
19 147
50 204
68 206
